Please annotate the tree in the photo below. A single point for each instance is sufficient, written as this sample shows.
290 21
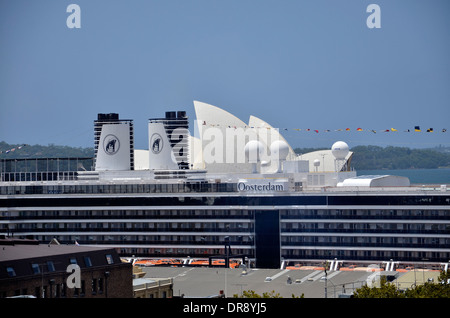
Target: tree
441 289
253 294
386 290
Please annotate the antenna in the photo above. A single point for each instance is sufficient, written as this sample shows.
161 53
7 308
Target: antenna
316 164
253 152
279 150
340 151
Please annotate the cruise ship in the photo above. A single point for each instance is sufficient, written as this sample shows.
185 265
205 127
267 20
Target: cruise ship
230 190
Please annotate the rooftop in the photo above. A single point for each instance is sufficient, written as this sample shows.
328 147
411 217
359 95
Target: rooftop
209 282
28 251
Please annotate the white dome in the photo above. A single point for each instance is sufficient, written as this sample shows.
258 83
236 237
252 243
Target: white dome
340 150
254 150
279 149
316 162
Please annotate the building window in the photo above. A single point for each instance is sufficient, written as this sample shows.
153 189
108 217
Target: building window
11 272
83 288
73 261
35 268
109 259
94 286
63 288
87 261
50 266
37 292
100 285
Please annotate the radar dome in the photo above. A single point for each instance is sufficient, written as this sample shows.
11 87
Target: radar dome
253 150
279 149
339 150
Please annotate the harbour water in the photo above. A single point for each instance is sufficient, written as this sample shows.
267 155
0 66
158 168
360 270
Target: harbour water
416 176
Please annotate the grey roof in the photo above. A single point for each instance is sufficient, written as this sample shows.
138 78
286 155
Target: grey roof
16 252
18 260
207 282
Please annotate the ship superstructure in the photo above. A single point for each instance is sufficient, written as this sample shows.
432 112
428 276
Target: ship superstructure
230 188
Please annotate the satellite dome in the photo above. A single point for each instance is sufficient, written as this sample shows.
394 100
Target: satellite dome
253 150
279 149
339 150
316 162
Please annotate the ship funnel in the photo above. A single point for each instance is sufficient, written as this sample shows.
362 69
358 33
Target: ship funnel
114 146
168 142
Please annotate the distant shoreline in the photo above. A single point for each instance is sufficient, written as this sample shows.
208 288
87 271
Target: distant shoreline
416 176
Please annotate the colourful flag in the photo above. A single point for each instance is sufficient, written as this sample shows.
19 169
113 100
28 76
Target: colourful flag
430 130
417 128
359 129
393 129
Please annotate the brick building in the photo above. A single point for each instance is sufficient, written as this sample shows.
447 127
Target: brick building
48 271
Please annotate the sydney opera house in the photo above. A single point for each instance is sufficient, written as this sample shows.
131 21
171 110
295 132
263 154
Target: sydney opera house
221 143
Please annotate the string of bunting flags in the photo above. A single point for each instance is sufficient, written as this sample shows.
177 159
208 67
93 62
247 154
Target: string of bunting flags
13 149
416 129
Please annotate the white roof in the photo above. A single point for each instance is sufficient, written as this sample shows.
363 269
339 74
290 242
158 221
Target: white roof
375 181
257 122
326 160
209 116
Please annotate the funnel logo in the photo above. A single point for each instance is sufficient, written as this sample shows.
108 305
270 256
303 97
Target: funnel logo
156 143
111 144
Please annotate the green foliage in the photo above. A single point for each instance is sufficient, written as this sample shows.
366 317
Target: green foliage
376 158
253 294
38 151
429 290
385 290
364 157
441 289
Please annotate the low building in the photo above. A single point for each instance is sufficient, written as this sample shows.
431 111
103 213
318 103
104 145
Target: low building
62 271
153 288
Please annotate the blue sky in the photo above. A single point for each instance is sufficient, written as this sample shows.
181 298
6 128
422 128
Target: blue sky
294 63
